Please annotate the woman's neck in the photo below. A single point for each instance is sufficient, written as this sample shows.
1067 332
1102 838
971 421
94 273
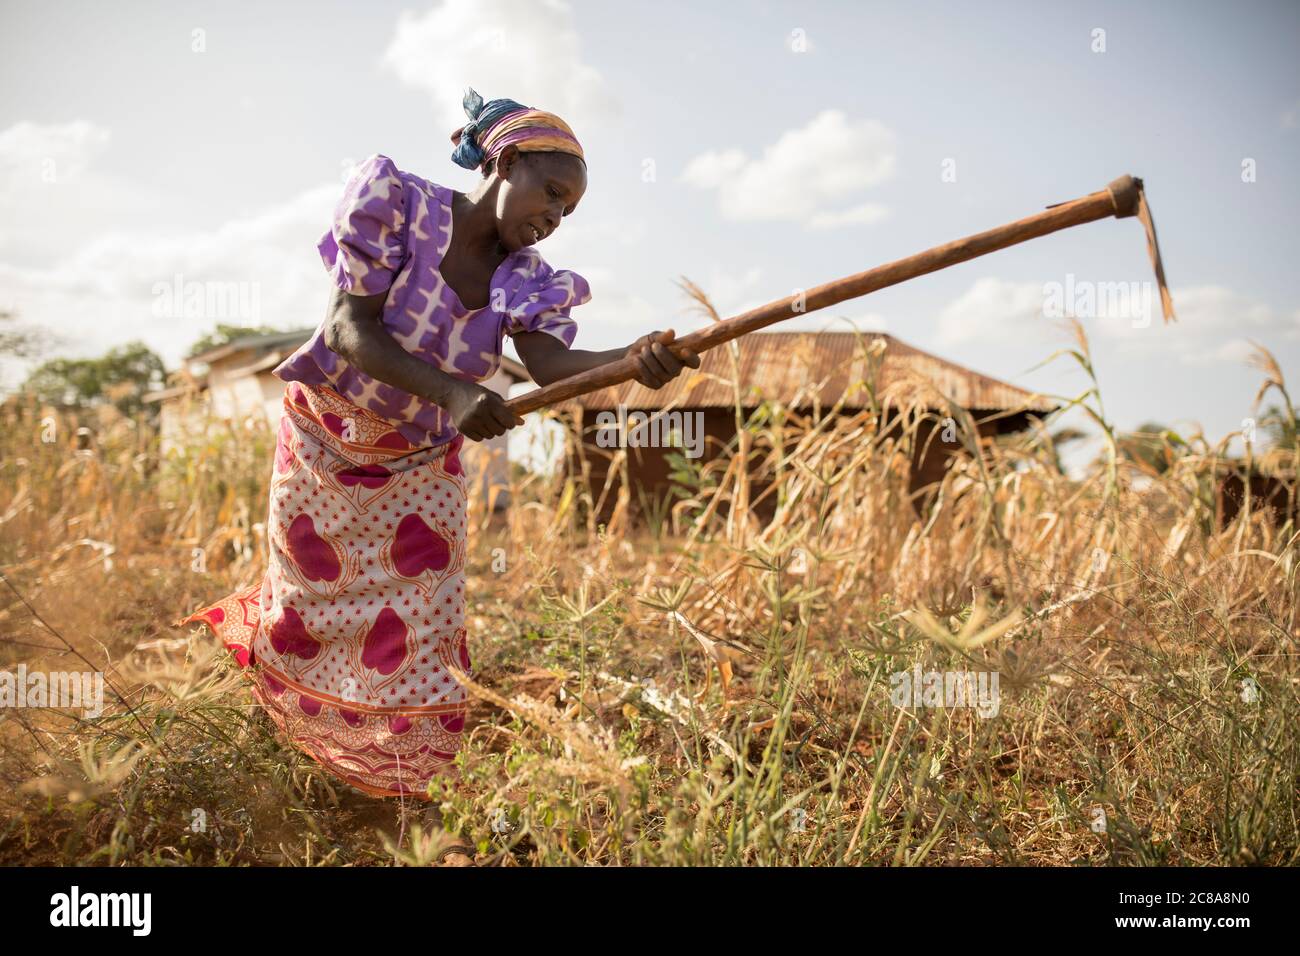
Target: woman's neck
475 231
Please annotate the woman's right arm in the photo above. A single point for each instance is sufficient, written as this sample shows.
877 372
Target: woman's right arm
354 331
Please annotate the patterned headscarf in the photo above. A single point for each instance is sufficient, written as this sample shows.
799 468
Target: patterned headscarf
499 123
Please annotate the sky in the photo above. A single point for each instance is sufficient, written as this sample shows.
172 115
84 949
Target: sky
753 148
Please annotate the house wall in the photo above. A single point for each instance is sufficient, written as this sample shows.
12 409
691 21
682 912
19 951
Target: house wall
649 468
260 395
1267 493
271 397
171 424
236 397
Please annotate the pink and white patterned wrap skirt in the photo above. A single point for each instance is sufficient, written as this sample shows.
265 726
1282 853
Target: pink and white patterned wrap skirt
348 636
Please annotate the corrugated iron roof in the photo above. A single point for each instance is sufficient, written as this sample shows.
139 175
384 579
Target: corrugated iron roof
294 337
792 367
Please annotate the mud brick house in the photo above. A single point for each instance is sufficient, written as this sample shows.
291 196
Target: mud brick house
801 370
1237 486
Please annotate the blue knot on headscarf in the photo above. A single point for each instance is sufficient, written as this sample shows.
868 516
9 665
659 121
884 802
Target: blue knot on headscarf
482 115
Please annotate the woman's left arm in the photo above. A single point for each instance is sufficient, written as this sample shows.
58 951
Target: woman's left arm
549 360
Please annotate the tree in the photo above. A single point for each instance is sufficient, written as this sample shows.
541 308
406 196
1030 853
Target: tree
1281 426
20 341
1151 446
121 377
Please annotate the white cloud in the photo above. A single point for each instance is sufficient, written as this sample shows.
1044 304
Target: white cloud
1219 324
734 293
615 318
712 169
522 50
864 214
993 310
1233 351
110 291
1215 324
33 156
730 293
52 191
805 176
1216 308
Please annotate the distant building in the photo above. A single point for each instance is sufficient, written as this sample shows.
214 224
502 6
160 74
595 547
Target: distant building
784 367
1238 484
233 383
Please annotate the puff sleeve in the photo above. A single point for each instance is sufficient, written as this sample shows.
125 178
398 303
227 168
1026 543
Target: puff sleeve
539 299
364 247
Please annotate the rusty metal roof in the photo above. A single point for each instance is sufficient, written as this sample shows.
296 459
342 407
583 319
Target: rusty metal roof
255 343
792 367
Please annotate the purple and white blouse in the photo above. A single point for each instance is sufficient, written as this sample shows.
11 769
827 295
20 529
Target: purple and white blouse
390 232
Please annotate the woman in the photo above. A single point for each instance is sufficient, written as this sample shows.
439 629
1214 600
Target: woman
362 606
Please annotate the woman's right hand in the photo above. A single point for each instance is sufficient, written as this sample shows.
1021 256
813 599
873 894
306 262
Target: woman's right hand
479 413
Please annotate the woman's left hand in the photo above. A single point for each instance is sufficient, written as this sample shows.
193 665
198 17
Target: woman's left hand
656 364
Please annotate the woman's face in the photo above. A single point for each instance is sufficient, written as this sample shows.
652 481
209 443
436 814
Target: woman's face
537 190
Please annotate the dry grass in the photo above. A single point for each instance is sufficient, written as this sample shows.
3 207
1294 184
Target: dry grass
1125 627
